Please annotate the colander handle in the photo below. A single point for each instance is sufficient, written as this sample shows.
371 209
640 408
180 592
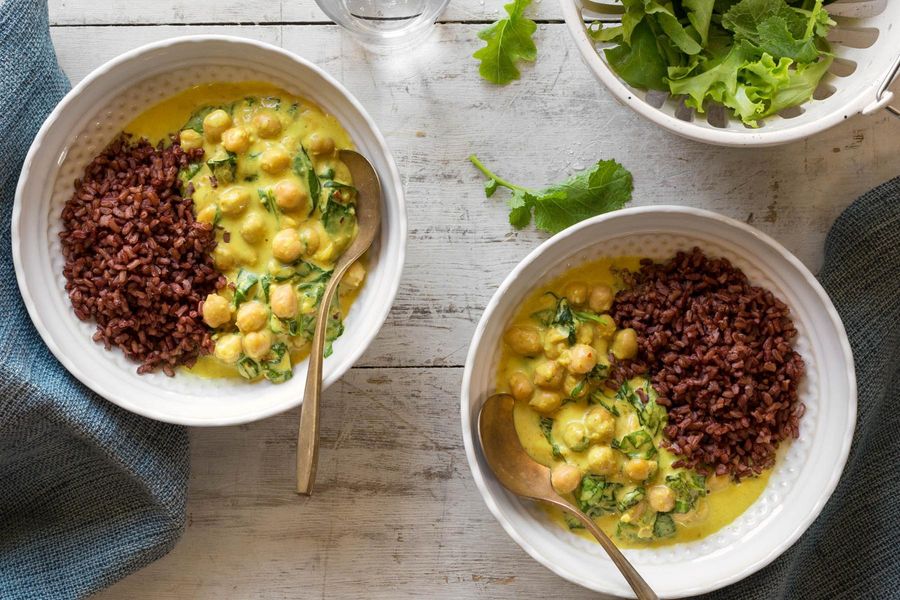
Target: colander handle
882 95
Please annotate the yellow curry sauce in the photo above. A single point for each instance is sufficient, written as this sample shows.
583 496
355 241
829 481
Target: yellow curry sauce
284 206
553 360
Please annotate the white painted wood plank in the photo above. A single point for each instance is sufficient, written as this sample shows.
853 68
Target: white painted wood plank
434 111
134 12
395 513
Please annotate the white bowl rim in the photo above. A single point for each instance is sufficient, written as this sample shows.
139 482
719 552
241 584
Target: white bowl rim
393 177
863 100
472 448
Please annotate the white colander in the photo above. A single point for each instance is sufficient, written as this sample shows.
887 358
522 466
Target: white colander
866 43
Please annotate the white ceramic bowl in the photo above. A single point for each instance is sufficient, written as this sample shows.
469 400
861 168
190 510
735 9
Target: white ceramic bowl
865 42
801 482
86 120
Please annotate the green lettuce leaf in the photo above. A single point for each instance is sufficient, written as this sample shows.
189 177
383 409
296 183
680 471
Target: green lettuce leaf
700 15
640 62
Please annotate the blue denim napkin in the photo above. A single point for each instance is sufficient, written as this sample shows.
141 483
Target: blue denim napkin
88 492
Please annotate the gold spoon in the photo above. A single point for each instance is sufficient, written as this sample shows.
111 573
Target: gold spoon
368 215
525 477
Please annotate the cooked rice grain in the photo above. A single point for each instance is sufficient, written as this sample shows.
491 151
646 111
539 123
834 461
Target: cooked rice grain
719 354
137 262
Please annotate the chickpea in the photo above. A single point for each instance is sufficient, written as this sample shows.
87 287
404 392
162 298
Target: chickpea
606 327
215 123
601 424
223 257
234 200
545 401
309 238
638 469
257 343
318 144
354 276
549 375
216 310
208 214
286 245
565 478
228 348
190 139
267 125
274 160
289 194
661 498
236 139
576 293
601 298
580 359
601 460
584 334
284 302
252 316
523 340
555 341
253 228
575 436
520 386
624 344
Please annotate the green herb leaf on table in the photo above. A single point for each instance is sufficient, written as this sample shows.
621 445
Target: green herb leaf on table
508 40
604 187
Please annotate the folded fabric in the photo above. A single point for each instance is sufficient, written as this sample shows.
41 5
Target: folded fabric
850 550
88 492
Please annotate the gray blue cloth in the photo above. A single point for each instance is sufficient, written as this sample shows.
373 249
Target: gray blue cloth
88 492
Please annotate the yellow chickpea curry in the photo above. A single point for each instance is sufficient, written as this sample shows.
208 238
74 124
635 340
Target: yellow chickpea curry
284 208
603 445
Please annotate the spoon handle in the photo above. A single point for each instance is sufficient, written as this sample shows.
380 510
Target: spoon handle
308 434
637 583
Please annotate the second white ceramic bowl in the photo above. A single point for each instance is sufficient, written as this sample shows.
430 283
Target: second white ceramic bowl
86 120
800 483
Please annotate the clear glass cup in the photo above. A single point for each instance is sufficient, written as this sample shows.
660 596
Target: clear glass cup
385 25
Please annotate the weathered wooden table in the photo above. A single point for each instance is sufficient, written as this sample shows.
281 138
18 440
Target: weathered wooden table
396 513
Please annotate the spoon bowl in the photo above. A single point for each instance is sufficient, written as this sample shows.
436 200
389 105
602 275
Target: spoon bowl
527 478
368 216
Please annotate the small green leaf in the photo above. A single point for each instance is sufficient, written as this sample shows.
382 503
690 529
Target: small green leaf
629 498
596 496
700 14
490 187
639 62
546 424
605 186
196 120
637 444
267 198
664 526
303 168
508 41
